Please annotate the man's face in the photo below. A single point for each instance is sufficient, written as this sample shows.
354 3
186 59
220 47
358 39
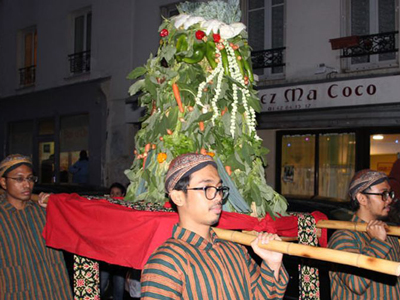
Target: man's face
378 208
198 209
18 191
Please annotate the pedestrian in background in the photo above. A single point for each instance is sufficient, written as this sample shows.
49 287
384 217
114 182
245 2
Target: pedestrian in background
115 272
80 169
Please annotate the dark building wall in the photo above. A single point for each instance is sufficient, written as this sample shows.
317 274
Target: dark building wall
74 99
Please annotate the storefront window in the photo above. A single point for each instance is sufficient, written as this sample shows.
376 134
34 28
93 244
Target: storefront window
21 138
383 151
298 165
46 162
336 164
317 165
74 137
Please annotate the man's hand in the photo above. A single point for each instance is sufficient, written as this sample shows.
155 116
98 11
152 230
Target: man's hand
43 199
271 258
377 229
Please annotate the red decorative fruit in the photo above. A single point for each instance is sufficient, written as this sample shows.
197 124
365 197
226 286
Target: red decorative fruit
164 32
216 37
200 34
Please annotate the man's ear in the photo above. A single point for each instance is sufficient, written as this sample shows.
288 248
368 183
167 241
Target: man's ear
362 199
3 183
178 197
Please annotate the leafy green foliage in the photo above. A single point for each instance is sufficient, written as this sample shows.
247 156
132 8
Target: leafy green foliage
166 131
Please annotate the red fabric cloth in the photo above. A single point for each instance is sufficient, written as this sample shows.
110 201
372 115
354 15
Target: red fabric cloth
101 230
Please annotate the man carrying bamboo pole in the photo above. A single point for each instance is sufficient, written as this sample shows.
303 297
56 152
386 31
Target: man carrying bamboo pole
194 263
370 198
28 269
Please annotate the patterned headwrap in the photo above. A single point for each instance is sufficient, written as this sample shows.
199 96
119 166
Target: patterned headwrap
183 164
12 162
365 179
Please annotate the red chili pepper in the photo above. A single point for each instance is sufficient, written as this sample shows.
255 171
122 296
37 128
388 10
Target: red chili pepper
200 34
164 32
216 37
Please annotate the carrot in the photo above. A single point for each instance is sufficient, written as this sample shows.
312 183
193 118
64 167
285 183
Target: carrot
144 159
177 95
147 148
224 111
154 109
228 170
201 125
169 131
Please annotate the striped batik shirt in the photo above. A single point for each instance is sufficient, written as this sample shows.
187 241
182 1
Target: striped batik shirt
28 269
353 283
189 267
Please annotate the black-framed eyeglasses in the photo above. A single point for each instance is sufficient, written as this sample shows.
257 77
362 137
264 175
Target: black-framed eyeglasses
211 191
29 179
385 195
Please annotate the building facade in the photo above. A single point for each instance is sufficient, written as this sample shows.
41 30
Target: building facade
63 86
328 81
329 75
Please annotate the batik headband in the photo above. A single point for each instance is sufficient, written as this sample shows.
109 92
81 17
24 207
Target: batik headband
365 179
182 165
14 161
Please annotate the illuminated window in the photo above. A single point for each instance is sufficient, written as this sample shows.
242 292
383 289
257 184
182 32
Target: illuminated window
28 57
317 165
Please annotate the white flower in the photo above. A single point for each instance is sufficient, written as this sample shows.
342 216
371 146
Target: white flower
205 109
238 27
226 31
211 25
192 20
180 20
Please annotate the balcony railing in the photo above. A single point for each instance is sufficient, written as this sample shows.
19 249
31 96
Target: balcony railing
372 44
27 76
268 58
79 62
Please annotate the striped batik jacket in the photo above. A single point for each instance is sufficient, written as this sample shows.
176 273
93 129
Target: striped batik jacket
28 269
189 267
353 283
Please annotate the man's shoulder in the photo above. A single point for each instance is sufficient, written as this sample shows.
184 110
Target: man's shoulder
341 235
172 245
173 253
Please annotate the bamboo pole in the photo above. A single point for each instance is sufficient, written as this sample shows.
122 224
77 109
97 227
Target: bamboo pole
283 238
325 254
354 226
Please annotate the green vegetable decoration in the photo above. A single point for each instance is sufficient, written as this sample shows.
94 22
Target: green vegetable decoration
199 97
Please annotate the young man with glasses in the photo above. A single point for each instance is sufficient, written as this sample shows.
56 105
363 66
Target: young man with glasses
370 198
28 269
194 263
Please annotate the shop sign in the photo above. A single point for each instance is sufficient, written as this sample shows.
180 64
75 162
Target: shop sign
332 94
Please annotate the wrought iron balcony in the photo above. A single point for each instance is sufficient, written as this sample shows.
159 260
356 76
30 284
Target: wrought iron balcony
79 62
268 58
27 75
372 44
